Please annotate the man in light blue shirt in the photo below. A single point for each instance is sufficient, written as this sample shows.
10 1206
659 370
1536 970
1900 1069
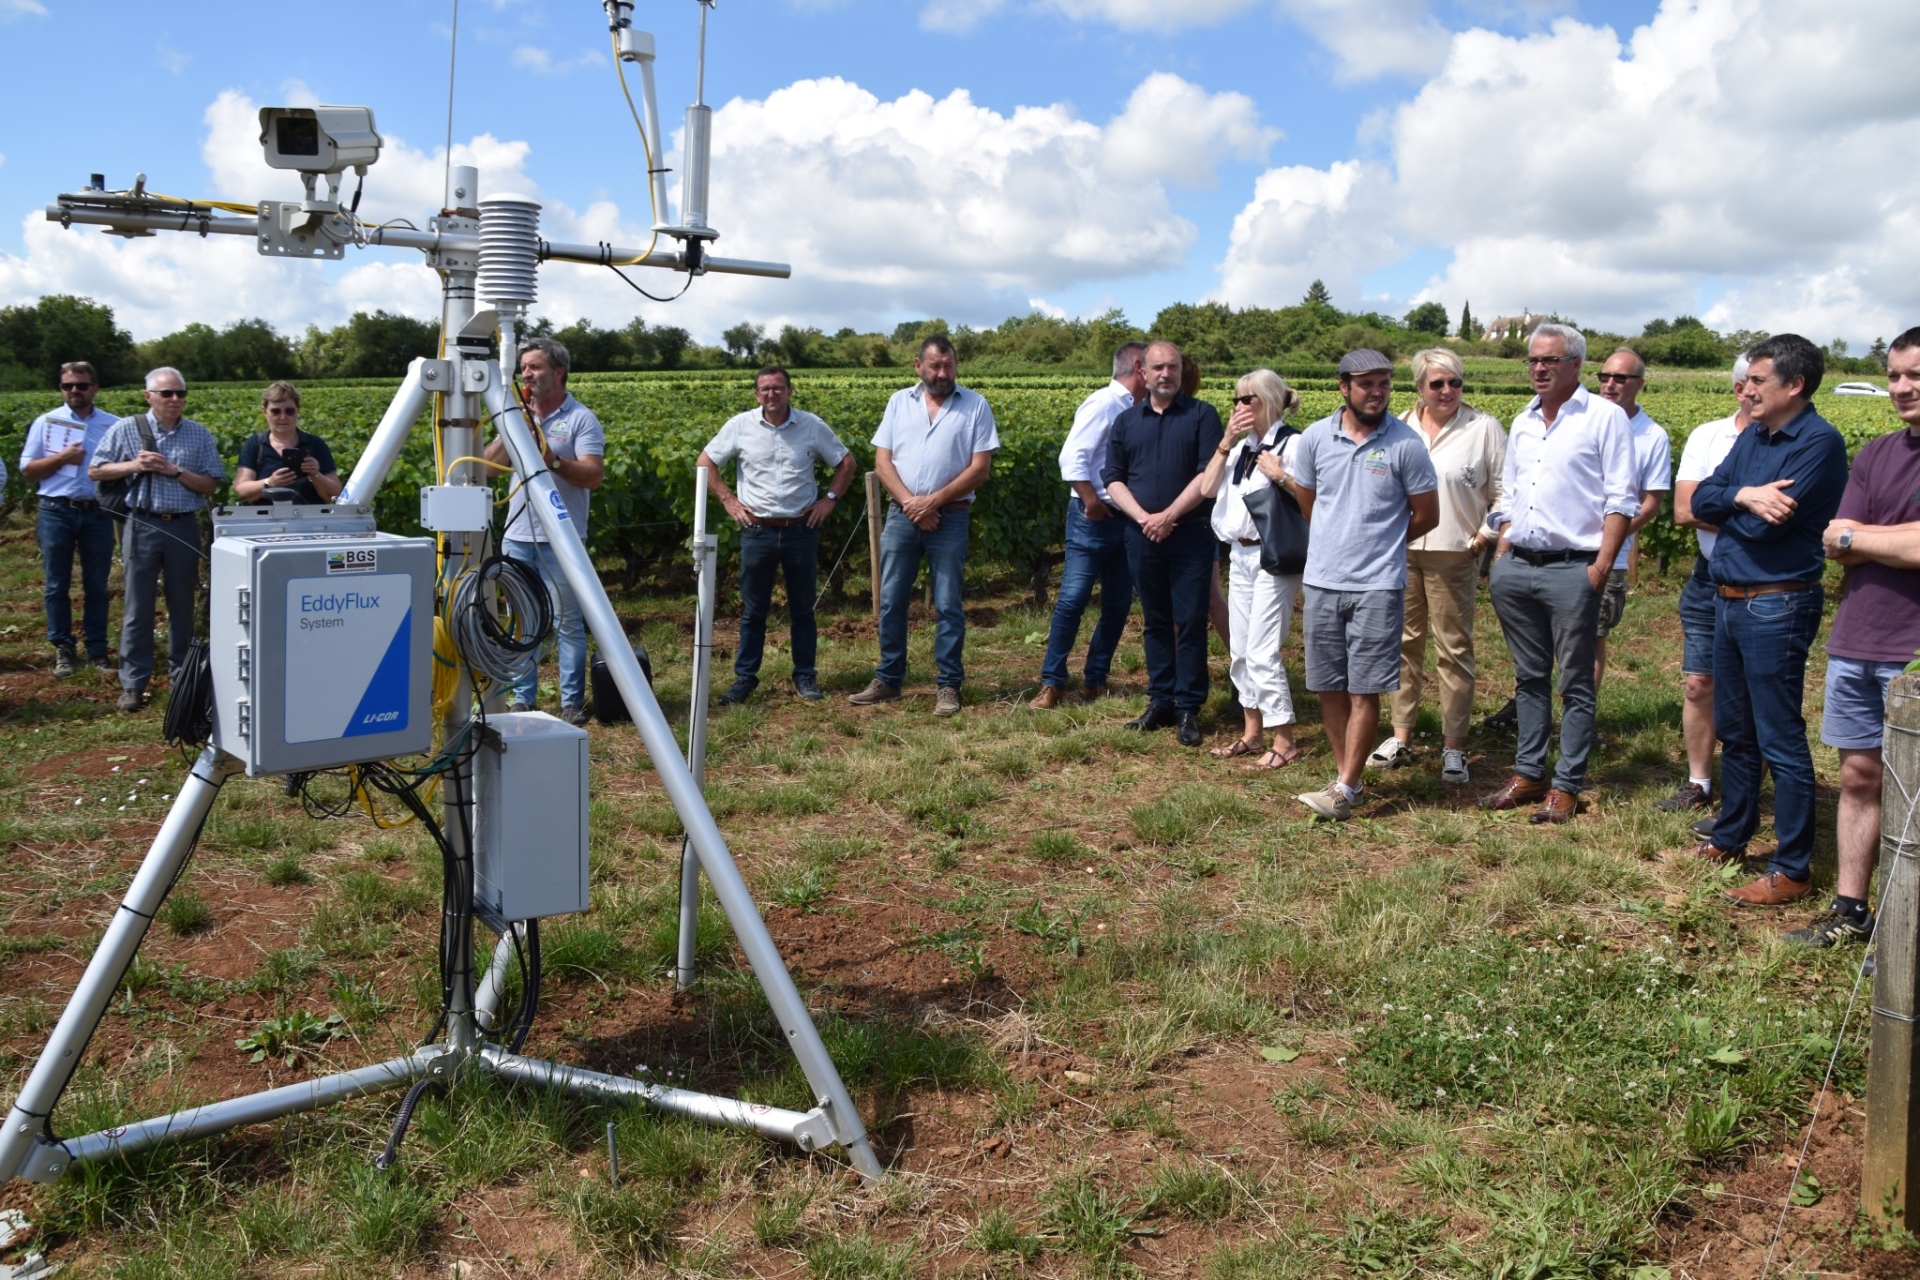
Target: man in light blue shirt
934 447
1096 545
58 449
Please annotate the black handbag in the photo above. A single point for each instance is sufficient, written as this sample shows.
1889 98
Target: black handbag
116 496
1276 516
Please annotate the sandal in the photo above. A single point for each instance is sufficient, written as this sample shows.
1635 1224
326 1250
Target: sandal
1240 747
1279 759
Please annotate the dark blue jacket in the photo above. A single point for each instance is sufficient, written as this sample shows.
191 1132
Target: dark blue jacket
1750 551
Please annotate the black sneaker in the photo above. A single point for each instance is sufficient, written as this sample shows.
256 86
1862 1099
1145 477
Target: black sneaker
1686 799
739 691
1834 928
808 688
1158 715
1507 717
62 661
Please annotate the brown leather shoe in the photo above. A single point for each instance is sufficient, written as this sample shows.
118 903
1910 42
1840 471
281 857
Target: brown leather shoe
1710 851
1514 792
1770 890
1048 699
1559 806
1092 692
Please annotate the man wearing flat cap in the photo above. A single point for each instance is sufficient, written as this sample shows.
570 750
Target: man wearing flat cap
1366 484
1571 488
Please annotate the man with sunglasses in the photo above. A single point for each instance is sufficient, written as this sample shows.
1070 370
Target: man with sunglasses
170 483
58 448
1622 378
1569 492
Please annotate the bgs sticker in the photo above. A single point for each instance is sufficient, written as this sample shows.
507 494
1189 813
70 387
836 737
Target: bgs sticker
354 560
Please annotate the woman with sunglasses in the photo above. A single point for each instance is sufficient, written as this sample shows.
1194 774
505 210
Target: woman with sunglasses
1469 450
1259 604
285 457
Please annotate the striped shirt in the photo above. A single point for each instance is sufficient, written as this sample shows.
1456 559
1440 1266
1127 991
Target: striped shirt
188 446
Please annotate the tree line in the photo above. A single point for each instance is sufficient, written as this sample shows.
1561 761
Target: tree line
36 337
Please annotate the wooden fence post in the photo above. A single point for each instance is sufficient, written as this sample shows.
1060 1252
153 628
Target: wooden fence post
1891 1169
875 510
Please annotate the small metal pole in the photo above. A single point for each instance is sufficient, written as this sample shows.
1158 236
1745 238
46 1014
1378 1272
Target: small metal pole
705 557
1891 1166
613 1157
875 514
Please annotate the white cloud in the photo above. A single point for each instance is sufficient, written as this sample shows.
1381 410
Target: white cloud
1046 308
1175 131
1744 148
11 10
528 57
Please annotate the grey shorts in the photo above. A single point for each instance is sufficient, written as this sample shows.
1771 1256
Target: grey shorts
1352 640
1613 605
1856 704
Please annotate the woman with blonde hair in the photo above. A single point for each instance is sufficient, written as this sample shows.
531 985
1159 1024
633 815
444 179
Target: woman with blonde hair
285 457
1469 450
1259 604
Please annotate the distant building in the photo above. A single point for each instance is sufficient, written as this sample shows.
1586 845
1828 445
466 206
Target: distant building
1519 326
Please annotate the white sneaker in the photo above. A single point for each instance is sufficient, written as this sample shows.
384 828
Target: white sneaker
1390 754
1331 804
1453 765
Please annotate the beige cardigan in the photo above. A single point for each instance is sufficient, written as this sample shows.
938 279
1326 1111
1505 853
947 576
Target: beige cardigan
1469 458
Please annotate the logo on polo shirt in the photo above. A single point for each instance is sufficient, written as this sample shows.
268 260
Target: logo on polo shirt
1376 462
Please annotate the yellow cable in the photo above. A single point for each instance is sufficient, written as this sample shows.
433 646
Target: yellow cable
621 69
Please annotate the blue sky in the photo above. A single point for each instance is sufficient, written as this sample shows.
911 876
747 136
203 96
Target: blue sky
1579 157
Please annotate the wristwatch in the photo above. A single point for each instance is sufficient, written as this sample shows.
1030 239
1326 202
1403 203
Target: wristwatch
832 496
1846 540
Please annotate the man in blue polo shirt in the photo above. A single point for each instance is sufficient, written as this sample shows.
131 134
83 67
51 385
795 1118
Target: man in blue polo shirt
1366 482
58 449
1772 498
1156 463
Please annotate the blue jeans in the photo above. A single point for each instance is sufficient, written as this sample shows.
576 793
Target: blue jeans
1173 580
902 544
795 552
569 625
1759 681
1096 552
1549 614
63 531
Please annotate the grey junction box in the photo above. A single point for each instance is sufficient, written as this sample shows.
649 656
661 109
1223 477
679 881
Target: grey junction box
321 639
530 844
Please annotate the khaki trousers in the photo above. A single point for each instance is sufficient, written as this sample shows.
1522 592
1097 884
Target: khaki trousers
1440 591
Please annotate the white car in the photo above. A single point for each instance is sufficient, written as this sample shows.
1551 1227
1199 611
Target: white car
1859 389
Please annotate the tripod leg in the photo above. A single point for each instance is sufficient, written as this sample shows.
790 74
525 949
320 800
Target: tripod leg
702 832
32 1113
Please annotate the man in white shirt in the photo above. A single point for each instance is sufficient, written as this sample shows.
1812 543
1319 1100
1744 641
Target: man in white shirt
1706 448
1570 491
1096 545
58 449
1622 378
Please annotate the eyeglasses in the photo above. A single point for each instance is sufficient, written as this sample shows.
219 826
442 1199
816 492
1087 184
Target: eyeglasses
1547 362
167 393
1621 377
283 410
1246 399
1438 383
75 386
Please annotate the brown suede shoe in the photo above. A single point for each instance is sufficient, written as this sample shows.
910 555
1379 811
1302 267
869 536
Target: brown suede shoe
1559 806
1092 692
1048 699
1708 850
1770 890
1514 792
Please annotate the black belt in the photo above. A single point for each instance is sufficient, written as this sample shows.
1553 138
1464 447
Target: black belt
1538 558
145 514
78 504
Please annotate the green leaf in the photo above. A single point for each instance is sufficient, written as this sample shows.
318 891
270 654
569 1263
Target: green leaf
1274 1054
1727 1057
1807 1191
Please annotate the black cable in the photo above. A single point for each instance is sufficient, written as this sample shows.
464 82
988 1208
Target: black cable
530 988
653 296
189 718
400 1122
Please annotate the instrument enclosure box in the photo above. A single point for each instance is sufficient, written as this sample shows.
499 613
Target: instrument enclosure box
321 645
530 843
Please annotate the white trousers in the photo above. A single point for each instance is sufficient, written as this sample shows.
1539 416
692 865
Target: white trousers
1259 611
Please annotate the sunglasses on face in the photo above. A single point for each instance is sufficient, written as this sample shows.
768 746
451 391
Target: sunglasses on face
169 394
75 386
283 410
1246 399
1547 362
1619 377
1438 383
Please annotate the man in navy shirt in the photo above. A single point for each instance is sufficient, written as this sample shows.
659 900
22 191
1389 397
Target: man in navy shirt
1156 461
1772 498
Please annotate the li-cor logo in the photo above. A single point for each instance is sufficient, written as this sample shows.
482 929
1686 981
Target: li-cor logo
353 560
380 717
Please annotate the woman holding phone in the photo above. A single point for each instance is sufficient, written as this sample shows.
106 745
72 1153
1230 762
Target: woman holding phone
285 457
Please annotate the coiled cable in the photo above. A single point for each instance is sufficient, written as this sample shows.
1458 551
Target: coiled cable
502 614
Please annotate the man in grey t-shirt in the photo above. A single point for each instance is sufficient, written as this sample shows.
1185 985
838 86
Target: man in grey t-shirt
573 449
1366 482
779 509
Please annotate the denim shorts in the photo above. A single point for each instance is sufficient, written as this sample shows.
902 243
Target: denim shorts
1696 625
1352 639
1613 605
1856 711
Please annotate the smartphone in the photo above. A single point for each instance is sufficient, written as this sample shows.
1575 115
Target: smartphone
294 458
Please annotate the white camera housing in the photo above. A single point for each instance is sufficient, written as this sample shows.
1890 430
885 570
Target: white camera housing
319 139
